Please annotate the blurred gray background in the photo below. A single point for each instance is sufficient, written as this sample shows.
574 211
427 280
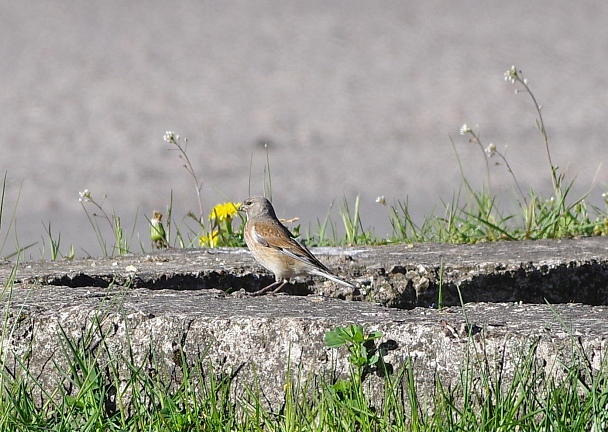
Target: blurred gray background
353 98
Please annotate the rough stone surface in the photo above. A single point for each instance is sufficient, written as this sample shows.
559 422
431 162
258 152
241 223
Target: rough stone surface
194 303
561 271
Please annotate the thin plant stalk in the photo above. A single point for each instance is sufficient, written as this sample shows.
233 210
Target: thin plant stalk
173 138
514 75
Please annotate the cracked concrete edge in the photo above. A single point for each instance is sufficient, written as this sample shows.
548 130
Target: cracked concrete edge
262 337
403 276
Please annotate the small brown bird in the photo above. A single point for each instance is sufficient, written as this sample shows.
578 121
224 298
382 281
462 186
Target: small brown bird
275 248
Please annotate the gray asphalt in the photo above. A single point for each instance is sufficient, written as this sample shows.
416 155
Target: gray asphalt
353 98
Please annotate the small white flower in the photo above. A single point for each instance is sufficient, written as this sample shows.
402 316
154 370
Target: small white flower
380 200
465 129
491 150
85 196
511 74
170 137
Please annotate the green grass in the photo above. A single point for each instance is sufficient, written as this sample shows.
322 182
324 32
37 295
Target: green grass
470 216
105 389
102 390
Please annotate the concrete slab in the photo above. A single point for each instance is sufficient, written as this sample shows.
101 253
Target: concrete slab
175 303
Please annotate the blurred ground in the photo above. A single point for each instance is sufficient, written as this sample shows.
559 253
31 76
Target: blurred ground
352 97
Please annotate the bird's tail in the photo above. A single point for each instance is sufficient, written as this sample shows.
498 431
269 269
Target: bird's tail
334 278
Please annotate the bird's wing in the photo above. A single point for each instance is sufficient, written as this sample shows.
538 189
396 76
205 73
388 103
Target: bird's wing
276 236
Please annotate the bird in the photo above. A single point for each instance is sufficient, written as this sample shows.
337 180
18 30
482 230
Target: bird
275 248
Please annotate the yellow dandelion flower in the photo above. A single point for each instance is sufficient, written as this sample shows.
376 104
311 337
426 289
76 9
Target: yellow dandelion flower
224 211
209 240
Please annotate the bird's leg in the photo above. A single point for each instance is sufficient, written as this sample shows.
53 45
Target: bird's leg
266 288
277 289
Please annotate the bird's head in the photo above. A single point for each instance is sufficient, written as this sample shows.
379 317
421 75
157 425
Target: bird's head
255 206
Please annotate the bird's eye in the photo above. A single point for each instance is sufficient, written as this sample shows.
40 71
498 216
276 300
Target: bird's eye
248 202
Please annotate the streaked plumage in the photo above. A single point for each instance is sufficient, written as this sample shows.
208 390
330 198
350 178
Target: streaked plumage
275 248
